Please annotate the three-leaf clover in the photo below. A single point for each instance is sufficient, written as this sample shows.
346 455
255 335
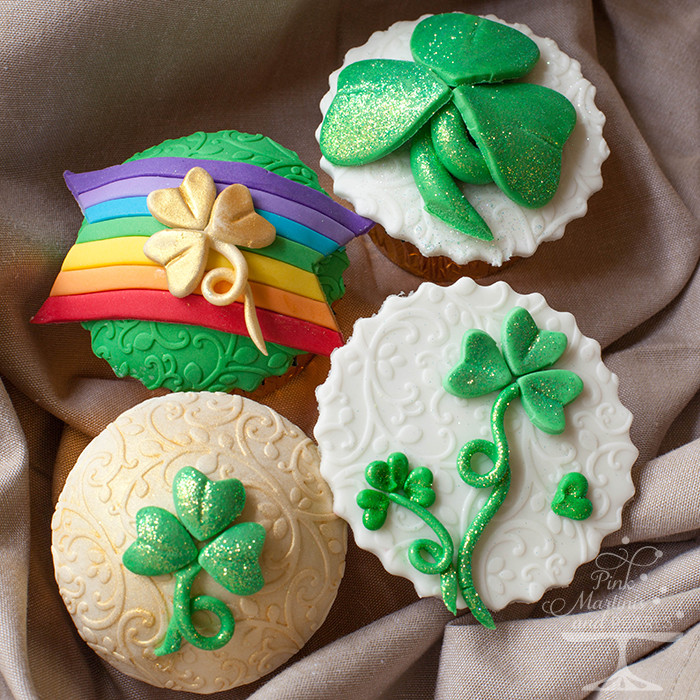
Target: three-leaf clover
461 119
527 354
165 544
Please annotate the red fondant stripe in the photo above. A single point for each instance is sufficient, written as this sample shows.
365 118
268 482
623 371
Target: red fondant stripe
155 305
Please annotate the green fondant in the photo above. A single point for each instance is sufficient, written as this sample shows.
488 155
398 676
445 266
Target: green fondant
449 587
329 271
162 544
570 499
236 146
379 105
441 196
206 507
181 623
185 358
232 558
118 228
455 149
497 477
463 48
291 252
521 129
419 487
481 368
389 476
525 347
544 395
375 506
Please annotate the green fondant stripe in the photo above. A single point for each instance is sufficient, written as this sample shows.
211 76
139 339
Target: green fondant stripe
118 228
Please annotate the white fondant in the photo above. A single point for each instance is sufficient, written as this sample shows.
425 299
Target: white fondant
386 192
384 394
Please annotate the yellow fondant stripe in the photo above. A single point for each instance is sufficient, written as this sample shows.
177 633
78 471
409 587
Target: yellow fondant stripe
129 251
115 277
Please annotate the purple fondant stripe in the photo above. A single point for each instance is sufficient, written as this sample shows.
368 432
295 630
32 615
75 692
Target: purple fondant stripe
224 172
142 186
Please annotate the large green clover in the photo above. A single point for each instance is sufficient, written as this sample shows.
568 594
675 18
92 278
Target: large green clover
461 119
165 545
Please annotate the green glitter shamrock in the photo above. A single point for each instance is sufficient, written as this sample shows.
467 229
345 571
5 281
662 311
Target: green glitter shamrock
165 545
521 368
461 119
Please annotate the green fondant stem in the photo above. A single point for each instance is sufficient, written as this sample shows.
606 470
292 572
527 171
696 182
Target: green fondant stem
497 477
442 553
181 624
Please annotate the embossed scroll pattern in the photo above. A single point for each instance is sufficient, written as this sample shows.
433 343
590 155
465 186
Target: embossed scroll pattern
123 616
384 394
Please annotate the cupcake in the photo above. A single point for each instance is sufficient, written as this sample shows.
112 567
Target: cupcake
475 442
208 262
469 140
194 543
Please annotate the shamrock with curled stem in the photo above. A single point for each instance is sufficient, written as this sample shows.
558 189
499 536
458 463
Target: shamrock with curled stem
201 220
521 368
461 119
165 545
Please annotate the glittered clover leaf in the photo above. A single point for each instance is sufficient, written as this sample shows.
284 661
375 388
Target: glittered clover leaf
527 353
199 220
166 544
461 119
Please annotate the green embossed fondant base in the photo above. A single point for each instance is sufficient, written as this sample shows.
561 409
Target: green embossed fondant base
192 358
235 146
185 358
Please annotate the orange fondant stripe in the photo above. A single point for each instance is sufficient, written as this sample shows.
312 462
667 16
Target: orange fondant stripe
129 251
155 305
103 279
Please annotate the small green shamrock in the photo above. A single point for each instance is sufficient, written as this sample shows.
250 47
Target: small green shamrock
461 118
527 353
165 544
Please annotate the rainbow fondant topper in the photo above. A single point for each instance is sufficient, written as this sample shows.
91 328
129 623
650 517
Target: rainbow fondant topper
107 275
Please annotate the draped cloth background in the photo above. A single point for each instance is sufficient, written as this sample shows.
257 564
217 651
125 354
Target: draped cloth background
85 84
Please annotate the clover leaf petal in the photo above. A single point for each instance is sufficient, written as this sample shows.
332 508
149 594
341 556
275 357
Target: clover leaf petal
525 347
481 370
463 48
521 129
544 395
379 105
206 507
162 545
232 558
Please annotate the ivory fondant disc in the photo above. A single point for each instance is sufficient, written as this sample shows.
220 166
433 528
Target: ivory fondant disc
132 463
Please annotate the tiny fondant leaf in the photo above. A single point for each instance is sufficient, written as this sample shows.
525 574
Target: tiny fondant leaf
521 129
378 106
544 395
481 370
570 499
455 149
187 206
206 507
441 196
375 506
525 347
232 558
388 476
463 48
162 544
419 487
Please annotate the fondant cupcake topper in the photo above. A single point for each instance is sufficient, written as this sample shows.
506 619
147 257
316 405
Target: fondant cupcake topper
200 220
461 120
